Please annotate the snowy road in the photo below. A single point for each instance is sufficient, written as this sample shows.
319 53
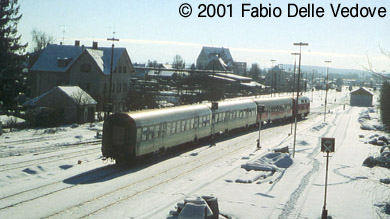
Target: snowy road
69 179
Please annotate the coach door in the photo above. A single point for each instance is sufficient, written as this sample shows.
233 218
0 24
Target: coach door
196 127
161 135
120 136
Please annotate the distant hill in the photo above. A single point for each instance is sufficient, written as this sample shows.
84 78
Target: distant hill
321 69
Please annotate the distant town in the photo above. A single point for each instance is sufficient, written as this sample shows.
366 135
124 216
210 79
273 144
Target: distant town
108 81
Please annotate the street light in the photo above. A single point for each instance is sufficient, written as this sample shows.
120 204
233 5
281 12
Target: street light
279 82
326 87
112 60
295 66
296 102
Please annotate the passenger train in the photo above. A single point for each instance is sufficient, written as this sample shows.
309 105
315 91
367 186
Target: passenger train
127 136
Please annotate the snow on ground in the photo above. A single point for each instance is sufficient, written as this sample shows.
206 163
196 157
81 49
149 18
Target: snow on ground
59 173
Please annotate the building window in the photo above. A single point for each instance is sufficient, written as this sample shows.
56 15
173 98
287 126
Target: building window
113 87
105 88
119 69
63 62
124 69
85 68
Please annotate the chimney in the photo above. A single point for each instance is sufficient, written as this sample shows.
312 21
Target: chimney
94 45
77 42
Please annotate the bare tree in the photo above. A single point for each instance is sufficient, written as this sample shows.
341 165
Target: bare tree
178 62
40 39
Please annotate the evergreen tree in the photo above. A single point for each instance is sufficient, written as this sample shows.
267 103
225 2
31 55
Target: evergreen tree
254 72
12 80
385 104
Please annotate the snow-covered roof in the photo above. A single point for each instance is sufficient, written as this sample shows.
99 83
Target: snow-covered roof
78 95
252 84
48 60
74 92
234 76
362 91
158 73
222 78
222 52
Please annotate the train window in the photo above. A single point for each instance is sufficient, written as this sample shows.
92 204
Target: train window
183 125
150 132
139 134
157 131
173 130
144 134
168 128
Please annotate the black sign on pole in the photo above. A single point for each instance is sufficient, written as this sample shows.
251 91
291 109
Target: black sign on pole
260 109
327 146
214 105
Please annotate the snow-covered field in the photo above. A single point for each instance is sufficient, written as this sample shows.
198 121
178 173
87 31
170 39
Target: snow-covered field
59 173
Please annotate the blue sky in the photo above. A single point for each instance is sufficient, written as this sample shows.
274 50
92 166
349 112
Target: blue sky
154 30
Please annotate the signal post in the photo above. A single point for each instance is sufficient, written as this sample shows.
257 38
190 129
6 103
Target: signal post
327 146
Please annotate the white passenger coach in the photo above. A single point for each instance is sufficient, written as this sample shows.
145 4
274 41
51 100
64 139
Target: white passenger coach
129 135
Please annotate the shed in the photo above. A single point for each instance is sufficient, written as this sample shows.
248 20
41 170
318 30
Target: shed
361 97
73 104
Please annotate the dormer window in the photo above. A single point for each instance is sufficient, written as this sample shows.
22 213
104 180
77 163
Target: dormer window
63 62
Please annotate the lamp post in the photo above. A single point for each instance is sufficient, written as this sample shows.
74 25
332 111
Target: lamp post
112 60
295 66
300 44
326 88
272 75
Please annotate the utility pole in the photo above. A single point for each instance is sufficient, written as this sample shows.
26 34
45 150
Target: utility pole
326 88
312 86
272 75
295 66
113 39
278 85
296 102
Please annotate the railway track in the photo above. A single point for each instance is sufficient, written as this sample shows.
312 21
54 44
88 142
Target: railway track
43 149
49 159
55 187
40 138
17 198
